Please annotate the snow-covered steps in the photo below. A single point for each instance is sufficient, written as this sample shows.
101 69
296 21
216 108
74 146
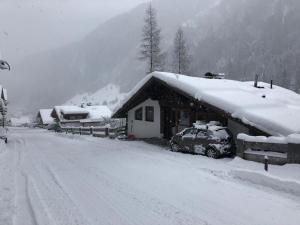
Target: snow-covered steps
277 158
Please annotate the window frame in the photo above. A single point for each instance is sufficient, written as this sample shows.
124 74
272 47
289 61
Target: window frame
147 110
138 114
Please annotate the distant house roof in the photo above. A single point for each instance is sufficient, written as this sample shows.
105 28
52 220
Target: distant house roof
93 112
45 115
98 112
275 111
59 111
71 110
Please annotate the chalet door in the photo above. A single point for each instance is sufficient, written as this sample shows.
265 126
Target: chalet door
167 123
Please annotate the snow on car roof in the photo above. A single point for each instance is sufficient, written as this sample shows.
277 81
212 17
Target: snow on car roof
275 111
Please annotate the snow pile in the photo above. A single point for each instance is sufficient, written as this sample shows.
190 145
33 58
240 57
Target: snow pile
275 111
280 178
110 96
20 121
262 139
267 180
293 139
46 116
2 146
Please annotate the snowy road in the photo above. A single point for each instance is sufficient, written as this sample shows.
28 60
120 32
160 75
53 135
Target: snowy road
55 179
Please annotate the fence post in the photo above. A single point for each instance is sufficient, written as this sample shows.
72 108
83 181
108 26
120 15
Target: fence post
91 131
266 163
80 130
72 130
106 132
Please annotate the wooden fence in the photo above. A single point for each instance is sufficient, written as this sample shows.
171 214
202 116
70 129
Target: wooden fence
96 131
278 152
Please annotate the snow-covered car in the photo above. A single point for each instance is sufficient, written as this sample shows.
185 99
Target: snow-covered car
209 139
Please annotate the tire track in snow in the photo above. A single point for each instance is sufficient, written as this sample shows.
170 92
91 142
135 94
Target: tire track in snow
57 204
150 204
28 201
6 188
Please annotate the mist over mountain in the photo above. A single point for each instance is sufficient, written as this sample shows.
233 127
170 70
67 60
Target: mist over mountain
237 37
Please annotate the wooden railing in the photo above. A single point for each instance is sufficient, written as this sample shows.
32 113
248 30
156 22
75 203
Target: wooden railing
96 131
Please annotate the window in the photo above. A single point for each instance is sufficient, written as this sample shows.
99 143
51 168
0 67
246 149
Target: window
150 113
202 134
138 114
190 132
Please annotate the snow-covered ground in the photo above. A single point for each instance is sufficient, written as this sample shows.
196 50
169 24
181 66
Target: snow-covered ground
48 178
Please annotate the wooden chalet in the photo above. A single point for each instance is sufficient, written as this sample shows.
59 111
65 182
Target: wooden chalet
164 104
44 118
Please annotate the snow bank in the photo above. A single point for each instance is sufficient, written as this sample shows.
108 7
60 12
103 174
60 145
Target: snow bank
292 139
288 171
267 180
2 146
262 139
20 121
275 111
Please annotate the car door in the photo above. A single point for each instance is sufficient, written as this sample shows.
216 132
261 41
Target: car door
188 139
200 142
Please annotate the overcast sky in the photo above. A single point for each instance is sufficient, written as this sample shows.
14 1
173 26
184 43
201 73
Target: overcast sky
29 26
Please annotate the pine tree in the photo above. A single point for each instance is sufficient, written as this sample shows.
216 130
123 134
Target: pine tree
181 57
150 46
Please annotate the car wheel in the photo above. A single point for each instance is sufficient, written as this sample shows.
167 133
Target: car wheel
175 147
212 153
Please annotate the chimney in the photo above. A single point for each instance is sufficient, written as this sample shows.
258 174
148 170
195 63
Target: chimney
256 81
271 84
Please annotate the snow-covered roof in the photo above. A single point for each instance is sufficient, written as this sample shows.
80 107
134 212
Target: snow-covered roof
98 112
93 112
69 109
46 116
275 111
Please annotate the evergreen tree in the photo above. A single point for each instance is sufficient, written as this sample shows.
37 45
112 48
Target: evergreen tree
181 57
150 46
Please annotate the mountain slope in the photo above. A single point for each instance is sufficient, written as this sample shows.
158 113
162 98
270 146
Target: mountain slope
238 37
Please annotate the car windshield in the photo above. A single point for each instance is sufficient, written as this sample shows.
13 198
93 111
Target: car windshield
189 131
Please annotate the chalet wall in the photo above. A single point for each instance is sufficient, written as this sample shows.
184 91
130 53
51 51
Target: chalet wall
142 128
237 128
